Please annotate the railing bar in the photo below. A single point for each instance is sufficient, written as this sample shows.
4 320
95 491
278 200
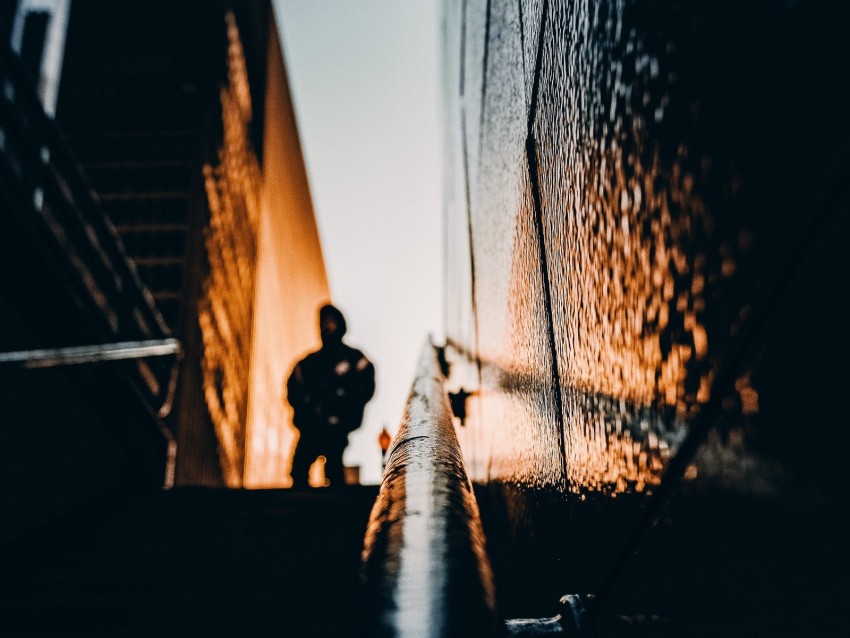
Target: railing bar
425 568
54 357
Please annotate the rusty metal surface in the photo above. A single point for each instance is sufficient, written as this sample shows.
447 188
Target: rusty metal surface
425 568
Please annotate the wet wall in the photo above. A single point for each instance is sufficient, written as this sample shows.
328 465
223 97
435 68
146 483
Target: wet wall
645 253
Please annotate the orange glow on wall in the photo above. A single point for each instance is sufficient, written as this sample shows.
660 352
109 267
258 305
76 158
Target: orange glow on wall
226 310
267 276
291 284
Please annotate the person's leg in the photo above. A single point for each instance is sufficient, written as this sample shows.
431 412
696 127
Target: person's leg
302 459
334 468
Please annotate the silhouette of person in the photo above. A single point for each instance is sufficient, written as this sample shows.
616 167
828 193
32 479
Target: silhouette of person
328 391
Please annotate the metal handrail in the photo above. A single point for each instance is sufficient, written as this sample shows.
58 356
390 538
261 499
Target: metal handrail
54 357
425 569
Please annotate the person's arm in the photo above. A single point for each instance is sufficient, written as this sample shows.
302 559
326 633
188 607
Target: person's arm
295 390
365 379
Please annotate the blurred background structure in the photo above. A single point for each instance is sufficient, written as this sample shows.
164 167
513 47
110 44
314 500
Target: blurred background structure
179 145
194 159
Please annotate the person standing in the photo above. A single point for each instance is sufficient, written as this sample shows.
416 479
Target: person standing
328 391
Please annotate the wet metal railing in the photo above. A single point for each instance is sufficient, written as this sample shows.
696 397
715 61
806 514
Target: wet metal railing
425 569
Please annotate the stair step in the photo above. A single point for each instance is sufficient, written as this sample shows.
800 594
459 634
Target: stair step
135 146
117 117
98 85
160 275
163 209
153 244
145 196
139 178
202 562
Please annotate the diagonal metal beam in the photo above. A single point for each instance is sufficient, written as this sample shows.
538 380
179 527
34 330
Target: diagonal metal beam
55 357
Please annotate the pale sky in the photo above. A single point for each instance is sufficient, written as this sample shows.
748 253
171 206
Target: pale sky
363 76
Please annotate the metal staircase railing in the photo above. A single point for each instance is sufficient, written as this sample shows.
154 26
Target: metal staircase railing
425 568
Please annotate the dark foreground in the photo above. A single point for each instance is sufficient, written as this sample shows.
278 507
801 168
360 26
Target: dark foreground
194 562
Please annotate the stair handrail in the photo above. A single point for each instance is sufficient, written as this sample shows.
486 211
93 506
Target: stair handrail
425 568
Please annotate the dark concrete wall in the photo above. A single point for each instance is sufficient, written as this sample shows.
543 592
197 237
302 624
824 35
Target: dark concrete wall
644 247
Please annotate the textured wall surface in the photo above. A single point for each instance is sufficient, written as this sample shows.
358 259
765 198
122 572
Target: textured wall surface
291 283
644 245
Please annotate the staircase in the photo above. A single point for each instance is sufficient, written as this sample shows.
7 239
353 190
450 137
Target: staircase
139 122
195 562
139 105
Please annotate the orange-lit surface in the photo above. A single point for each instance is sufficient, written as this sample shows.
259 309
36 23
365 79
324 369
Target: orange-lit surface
266 277
640 292
316 477
226 311
600 286
629 274
291 284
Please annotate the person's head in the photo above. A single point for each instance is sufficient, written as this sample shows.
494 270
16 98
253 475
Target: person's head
331 325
